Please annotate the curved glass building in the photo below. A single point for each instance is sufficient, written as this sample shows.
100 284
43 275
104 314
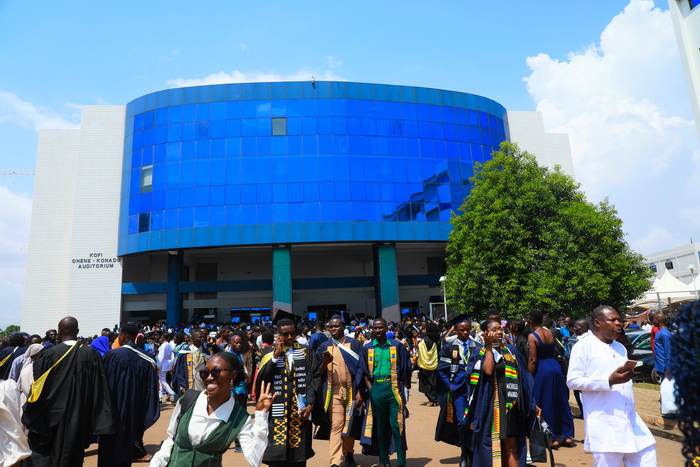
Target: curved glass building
312 197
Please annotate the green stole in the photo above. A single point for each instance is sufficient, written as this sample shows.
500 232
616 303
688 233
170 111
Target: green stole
393 358
213 447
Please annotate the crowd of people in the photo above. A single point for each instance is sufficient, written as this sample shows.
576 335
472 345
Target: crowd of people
344 380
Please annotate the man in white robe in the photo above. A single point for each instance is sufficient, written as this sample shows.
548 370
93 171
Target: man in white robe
597 367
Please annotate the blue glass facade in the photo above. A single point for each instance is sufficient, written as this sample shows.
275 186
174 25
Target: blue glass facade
355 163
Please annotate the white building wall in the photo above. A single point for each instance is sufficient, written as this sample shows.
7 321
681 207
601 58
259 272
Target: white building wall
686 23
527 129
46 281
681 258
71 267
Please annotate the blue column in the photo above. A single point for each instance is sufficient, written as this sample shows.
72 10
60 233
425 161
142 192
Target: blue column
173 313
387 282
281 279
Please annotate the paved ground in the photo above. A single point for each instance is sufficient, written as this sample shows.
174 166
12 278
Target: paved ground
424 451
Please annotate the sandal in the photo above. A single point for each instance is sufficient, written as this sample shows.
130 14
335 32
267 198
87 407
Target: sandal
554 445
568 443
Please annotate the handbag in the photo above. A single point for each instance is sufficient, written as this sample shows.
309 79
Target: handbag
668 398
541 442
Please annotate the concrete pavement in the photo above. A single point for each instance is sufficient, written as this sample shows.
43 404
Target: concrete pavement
423 451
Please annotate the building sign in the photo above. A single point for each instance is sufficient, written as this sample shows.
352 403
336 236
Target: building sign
95 261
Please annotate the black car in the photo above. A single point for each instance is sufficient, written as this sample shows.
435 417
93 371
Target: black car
641 352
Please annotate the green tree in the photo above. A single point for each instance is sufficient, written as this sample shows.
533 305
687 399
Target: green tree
527 239
9 330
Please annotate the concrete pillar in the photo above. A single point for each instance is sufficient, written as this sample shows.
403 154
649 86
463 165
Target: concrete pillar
173 313
387 282
281 279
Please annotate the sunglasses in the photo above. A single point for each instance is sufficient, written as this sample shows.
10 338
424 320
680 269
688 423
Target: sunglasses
215 373
288 334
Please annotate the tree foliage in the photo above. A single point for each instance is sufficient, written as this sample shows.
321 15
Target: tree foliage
527 239
9 330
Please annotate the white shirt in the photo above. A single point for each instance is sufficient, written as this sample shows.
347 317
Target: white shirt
253 435
13 441
165 356
610 419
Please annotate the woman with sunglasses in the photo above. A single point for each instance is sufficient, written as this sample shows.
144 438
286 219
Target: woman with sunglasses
202 434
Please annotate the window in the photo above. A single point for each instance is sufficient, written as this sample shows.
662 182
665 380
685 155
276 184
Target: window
693 3
653 267
279 126
146 178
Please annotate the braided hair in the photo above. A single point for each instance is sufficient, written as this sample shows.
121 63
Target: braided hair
685 348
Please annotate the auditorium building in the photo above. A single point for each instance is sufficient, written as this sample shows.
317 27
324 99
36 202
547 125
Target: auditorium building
228 202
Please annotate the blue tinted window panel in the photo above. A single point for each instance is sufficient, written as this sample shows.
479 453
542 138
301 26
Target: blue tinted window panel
201 196
143 241
295 192
184 238
312 212
311 192
201 216
248 147
249 194
233 194
412 146
186 198
390 231
265 214
328 232
355 144
155 240
295 144
217 235
217 195
249 234
343 211
369 144
171 219
328 213
187 173
170 239
280 213
312 232
327 190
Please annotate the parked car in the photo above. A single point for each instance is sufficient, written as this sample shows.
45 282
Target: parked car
641 352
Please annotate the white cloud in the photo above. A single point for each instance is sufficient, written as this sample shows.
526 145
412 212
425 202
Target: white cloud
624 104
240 46
15 213
254 77
333 62
15 110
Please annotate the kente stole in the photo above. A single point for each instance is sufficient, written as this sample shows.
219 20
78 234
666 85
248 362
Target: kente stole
288 381
394 389
512 394
348 386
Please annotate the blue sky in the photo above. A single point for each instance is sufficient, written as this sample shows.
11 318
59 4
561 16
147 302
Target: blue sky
607 72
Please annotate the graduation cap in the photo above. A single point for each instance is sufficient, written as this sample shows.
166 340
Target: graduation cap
130 328
459 319
282 314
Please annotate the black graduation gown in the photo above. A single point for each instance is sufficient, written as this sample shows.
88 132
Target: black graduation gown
133 385
74 404
481 413
11 353
307 382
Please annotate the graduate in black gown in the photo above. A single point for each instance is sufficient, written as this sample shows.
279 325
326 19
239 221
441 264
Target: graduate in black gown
17 347
73 404
133 385
455 367
293 371
503 407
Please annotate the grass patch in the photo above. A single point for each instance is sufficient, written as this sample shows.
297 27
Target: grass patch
655 387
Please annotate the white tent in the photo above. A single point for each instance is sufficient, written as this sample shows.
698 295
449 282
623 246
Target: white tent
666 290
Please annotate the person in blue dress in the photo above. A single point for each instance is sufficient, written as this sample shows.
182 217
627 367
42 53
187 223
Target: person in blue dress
551 393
